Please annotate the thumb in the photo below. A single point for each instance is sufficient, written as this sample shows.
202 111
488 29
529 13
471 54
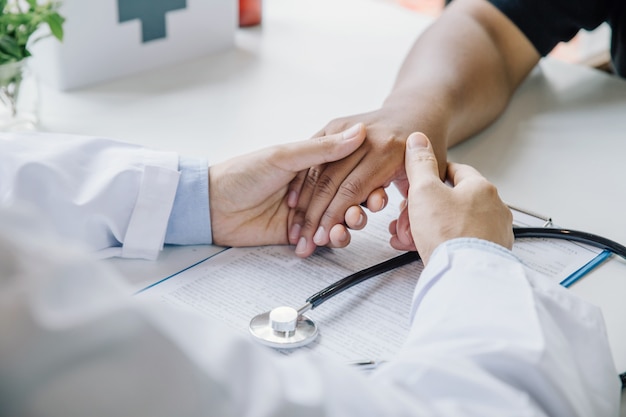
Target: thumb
420 161
298 156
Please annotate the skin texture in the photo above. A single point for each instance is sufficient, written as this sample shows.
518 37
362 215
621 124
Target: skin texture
250 200
456 80
436 212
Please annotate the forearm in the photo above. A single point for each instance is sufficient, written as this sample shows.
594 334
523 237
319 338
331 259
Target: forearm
461 73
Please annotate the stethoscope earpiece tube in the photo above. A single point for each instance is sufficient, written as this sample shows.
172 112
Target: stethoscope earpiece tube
408 257
574 235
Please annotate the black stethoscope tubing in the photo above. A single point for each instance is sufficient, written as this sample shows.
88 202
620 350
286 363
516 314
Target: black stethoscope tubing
573 235
408 257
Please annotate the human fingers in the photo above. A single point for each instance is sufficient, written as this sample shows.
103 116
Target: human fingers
293 192
301 193
437 212
486 215
349 182
339 236
377 200
428 197
420 162
403 226
355 218
401 237
320 188
299 156
457 173
295 186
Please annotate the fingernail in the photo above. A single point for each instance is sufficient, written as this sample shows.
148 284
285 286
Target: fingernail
318 238
301 247
294 233
417 141
361 219
344 236
352 132
292 199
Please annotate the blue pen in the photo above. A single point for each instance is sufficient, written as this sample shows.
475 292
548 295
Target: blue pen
584 270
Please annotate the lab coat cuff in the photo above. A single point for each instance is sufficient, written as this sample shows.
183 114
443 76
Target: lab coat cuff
441 261
190 223
145 234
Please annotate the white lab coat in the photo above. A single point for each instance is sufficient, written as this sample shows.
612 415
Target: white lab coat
113 196
489 338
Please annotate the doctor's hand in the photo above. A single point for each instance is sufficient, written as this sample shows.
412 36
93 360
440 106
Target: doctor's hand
437 212
249 195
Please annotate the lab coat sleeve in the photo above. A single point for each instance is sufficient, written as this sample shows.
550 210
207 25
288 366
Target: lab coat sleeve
113 196
490 336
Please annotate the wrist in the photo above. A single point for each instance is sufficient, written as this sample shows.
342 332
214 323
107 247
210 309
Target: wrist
430 120
215 205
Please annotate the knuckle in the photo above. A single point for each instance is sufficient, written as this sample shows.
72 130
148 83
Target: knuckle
487 187
326 186
299 214
352 190
310 223
425 184
312 177
330 217
337 124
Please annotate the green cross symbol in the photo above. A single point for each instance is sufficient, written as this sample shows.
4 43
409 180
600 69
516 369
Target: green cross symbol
151 13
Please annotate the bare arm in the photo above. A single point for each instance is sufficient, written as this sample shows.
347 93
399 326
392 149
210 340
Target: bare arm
462 71
455 81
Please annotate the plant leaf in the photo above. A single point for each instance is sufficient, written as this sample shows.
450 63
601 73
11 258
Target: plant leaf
55 22
17 25
10 47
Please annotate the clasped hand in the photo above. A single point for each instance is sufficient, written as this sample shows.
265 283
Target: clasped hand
253 201
250 200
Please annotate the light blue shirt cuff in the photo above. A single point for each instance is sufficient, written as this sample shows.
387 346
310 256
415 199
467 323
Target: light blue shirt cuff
190 220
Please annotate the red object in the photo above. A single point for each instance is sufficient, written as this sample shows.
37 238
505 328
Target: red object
249 12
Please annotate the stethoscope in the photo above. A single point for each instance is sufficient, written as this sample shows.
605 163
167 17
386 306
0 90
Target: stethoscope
287 328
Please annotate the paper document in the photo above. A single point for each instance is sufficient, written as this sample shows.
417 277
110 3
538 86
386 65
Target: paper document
560 259
368 321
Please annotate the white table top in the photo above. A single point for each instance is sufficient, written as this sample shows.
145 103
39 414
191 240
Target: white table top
559 149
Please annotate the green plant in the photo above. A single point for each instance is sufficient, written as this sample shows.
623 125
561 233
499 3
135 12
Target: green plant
19 20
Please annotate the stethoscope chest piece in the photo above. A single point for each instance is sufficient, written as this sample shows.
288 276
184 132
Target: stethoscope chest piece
283 327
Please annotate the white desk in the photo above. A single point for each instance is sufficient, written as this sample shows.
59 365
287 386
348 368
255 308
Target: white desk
558 150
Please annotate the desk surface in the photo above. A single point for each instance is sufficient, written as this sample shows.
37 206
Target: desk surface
558 150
